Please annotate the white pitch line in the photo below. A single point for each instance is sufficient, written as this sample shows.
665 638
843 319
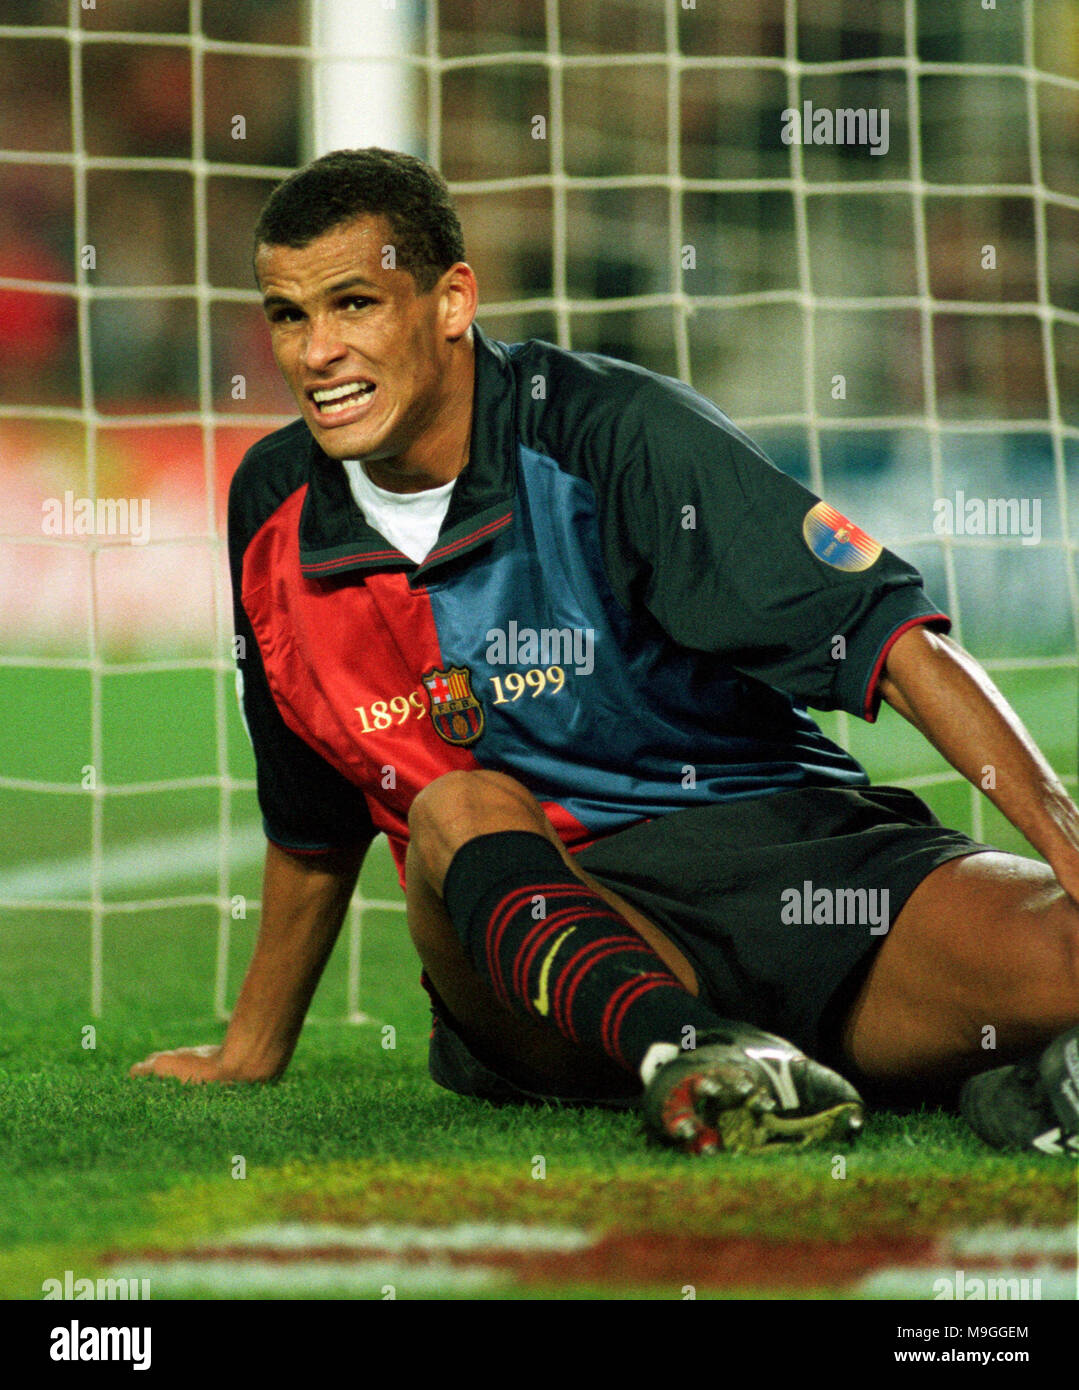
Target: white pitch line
383 1260
139 864
1032 1283
1041 1258
240 1278
464 1238
1004 1242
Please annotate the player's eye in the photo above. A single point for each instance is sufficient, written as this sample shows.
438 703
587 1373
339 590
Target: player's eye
357 301
284 314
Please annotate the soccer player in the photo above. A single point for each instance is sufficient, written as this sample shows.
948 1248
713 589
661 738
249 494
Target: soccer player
552 622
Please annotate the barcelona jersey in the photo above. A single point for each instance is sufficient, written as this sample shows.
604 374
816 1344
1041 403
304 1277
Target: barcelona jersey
628 608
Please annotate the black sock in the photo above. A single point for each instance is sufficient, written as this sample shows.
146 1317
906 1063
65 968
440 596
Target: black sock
515 905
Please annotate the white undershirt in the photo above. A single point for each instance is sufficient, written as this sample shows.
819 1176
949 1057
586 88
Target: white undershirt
409 520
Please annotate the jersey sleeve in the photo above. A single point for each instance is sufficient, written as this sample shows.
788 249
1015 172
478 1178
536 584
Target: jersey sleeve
734 557
307 806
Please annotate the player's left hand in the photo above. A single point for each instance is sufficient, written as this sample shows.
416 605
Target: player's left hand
189 1064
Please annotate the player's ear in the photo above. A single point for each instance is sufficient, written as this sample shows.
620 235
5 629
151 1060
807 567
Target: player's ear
459 299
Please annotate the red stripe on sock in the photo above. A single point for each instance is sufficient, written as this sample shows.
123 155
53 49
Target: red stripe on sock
526 953
611 1028
541 933
493 938
500 918
581 963
505 910
544 926
533 944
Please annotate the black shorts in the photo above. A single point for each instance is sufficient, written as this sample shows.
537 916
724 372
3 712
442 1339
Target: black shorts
736 887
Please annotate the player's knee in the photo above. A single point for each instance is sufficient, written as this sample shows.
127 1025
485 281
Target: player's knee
1068 913
1052 984
462 796
458 806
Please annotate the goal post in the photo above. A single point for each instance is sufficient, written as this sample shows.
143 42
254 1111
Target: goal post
363 79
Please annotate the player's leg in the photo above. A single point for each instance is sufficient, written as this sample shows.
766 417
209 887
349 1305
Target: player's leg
460 808
533 1056
980 967
564 988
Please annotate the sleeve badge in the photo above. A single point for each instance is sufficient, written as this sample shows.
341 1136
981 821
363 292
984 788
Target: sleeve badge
837 541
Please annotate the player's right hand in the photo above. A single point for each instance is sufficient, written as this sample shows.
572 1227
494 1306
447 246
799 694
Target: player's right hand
192 1064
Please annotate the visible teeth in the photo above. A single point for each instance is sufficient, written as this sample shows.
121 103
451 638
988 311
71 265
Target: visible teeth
340 397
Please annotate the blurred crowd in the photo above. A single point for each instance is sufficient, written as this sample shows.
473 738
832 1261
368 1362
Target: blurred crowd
140 226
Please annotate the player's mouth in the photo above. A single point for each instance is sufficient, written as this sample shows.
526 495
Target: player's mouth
343 403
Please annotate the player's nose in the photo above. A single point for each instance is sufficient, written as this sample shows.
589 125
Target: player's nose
323 345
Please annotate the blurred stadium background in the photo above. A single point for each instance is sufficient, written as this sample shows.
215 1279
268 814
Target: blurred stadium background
150 131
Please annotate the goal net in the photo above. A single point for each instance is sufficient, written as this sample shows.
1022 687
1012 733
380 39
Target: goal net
853 224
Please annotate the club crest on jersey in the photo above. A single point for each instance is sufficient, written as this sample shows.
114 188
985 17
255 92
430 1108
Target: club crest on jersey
455 712
837 541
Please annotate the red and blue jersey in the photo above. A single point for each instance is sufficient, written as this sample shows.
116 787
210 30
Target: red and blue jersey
627 608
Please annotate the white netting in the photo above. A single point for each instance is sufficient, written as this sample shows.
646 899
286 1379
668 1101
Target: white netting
624 187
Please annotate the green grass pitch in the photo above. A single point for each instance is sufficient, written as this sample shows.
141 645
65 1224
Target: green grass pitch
97 1164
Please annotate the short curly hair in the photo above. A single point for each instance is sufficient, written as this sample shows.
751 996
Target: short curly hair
347 184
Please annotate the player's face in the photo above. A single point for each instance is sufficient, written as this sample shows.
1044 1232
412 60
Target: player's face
366 356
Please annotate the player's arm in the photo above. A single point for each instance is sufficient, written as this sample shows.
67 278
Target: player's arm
305 804
304 899
949 698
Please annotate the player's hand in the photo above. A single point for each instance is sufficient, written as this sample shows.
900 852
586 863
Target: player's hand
193 1064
